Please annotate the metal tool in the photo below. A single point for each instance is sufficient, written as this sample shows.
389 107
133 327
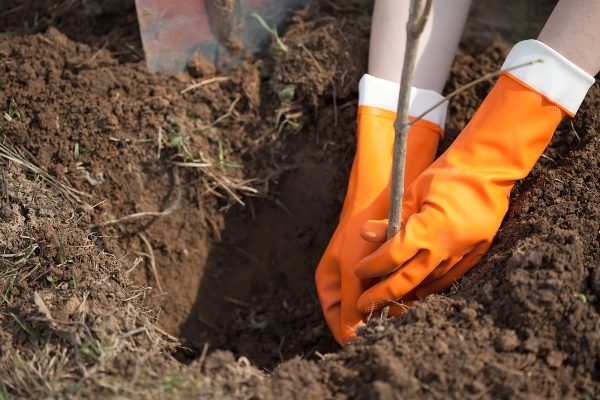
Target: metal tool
221 31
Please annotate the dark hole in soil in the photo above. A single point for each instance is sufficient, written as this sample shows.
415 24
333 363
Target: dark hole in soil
257 296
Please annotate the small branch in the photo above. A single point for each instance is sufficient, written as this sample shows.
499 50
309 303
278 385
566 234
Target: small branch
133 217
145 214
164 333
419 12
469 85
229 112
204 82
417 21
152 260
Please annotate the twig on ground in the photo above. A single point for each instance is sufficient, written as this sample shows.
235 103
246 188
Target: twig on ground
229 185
133 217
237 302
159 140
280 349
403 306
229 112
138 293
548 158
203 355
164 333
312 57
575 131
204 82
145 214
192 164
135 264
152 260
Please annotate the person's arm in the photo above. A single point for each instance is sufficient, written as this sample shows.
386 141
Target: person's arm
437 44
452 211
573 30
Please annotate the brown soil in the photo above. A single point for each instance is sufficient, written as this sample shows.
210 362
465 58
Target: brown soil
524 323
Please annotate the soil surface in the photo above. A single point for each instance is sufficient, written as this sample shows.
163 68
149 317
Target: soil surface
205 210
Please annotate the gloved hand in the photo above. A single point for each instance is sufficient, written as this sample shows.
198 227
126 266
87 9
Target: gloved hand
453 210
368 194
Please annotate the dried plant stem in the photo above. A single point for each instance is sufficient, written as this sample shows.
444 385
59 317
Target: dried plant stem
145 214
483 78
419 12
135 216
11 153
152 260
204 82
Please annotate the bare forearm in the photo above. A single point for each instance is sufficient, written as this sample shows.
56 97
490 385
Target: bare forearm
573 30
437 47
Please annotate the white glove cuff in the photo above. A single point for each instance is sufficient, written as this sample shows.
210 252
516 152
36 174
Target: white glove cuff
381 93
549 73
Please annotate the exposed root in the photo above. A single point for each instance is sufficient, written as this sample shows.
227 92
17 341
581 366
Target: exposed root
145 214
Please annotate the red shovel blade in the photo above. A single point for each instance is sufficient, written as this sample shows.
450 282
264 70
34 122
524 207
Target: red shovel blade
174 31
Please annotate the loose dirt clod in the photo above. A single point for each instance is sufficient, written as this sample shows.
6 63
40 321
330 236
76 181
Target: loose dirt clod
238 281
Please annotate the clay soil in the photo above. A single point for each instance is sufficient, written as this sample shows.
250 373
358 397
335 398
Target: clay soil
184 268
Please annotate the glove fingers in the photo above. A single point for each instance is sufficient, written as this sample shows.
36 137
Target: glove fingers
441 269
400 283
397 250
386 259
455 273
374 231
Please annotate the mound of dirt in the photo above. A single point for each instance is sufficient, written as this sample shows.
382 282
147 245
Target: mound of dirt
120 134
73 325
70 321
208 200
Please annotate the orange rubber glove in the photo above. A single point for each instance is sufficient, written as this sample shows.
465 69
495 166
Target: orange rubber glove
453 210
368 195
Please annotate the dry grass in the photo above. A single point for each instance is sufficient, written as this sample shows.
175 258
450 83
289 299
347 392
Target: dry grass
197 85
21 157
71 325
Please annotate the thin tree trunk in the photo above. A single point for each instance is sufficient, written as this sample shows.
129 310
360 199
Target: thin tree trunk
419 12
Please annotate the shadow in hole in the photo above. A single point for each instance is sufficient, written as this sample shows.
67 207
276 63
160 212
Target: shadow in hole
257 296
